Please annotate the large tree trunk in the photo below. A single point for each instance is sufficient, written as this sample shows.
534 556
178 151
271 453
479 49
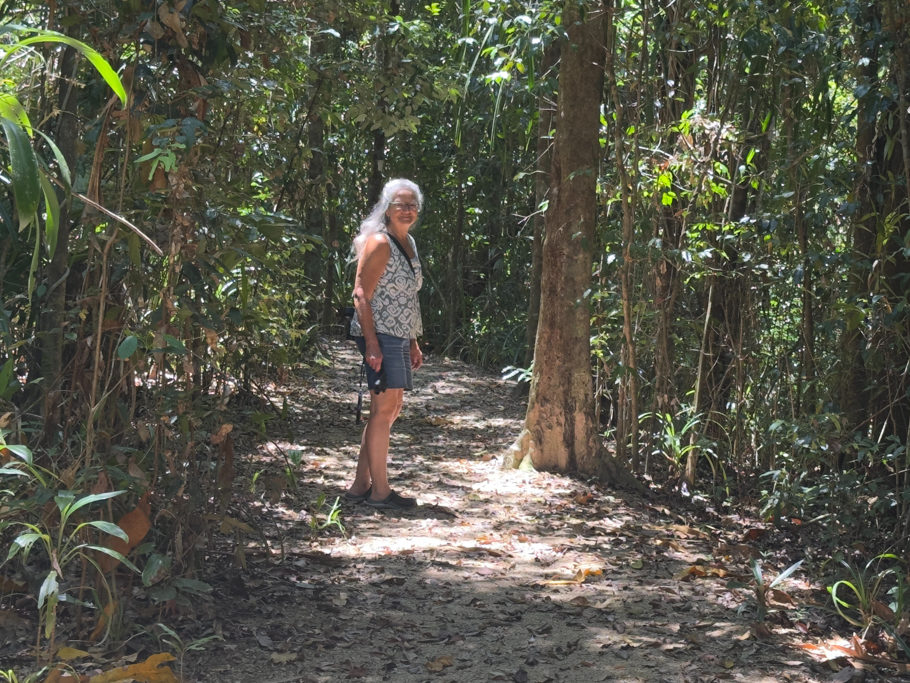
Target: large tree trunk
560 433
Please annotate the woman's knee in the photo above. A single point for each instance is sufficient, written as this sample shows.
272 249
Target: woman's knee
387 405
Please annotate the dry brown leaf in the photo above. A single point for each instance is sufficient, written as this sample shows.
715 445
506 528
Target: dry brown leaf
583 498
103 620
229 524
699 571
136 524
222 432
149 671
579 577
10 586
753 535
440 663
781 598
687 531
67 654
283 657
171 18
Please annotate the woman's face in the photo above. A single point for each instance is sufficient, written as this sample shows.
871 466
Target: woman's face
402 210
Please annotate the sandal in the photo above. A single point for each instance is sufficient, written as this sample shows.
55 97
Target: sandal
357 497
393 501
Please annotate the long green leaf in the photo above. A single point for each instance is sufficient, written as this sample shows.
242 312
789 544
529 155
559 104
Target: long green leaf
26 186
23 542
52 213
100 63
61 161
114 554
20 451
106 527
93 498
11 109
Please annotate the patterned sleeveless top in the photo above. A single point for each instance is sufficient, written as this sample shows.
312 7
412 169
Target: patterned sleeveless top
396 311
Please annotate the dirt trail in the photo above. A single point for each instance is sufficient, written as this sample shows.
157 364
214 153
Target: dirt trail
497 576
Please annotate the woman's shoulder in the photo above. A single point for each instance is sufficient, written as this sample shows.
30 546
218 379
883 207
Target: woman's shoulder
377 240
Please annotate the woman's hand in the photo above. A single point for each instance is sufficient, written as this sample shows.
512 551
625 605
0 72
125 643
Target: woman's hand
373 354
416 355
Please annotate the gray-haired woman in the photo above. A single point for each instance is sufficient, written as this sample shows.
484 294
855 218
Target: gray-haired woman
386 324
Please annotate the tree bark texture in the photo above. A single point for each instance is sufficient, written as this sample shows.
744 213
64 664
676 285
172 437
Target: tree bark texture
560 433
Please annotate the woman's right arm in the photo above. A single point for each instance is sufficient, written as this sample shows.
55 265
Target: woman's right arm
370 267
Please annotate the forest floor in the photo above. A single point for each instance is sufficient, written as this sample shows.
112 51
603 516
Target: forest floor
497 575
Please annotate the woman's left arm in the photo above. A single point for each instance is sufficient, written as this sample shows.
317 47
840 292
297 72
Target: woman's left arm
416 355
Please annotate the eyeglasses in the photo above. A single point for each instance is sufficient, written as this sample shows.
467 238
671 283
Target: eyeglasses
400 206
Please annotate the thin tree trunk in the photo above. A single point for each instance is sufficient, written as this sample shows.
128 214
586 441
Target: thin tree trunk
51 325
627 427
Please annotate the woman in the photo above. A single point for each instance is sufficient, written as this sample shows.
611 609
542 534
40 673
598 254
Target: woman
386 324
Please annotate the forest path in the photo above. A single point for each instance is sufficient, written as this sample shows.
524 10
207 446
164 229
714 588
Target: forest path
499 575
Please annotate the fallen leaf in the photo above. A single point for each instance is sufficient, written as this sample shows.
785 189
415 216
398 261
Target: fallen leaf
440 663
69 653
753 535
283 657
10 586
149 671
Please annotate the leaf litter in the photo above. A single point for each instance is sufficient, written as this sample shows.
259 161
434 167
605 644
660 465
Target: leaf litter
498 575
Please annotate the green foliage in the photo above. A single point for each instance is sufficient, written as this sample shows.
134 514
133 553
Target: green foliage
874 595
323 516
763 586
61 537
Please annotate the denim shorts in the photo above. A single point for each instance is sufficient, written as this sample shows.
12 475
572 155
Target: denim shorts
396 361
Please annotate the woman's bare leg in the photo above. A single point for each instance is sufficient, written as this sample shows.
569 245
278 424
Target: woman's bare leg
372 464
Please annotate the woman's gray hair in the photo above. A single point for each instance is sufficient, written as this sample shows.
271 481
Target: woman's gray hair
376 221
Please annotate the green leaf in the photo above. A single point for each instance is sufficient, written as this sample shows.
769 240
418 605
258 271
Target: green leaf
20 451
60 159
153 567
174 344
52 219
108 528
23 542
49 593
784 574
93 498
11 109
114 554
49 588
26 186
13 472
8 387
127 347
99 62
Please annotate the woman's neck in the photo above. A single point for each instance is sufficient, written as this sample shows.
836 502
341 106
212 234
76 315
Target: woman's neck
400 232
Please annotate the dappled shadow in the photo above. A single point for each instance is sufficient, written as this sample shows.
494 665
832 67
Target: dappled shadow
497 575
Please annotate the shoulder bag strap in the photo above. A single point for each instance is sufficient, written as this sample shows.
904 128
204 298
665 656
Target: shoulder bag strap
403 252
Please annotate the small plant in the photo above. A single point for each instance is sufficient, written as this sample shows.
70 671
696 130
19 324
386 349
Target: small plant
321 519
764 589
877 593
61 537
178 646
675 438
